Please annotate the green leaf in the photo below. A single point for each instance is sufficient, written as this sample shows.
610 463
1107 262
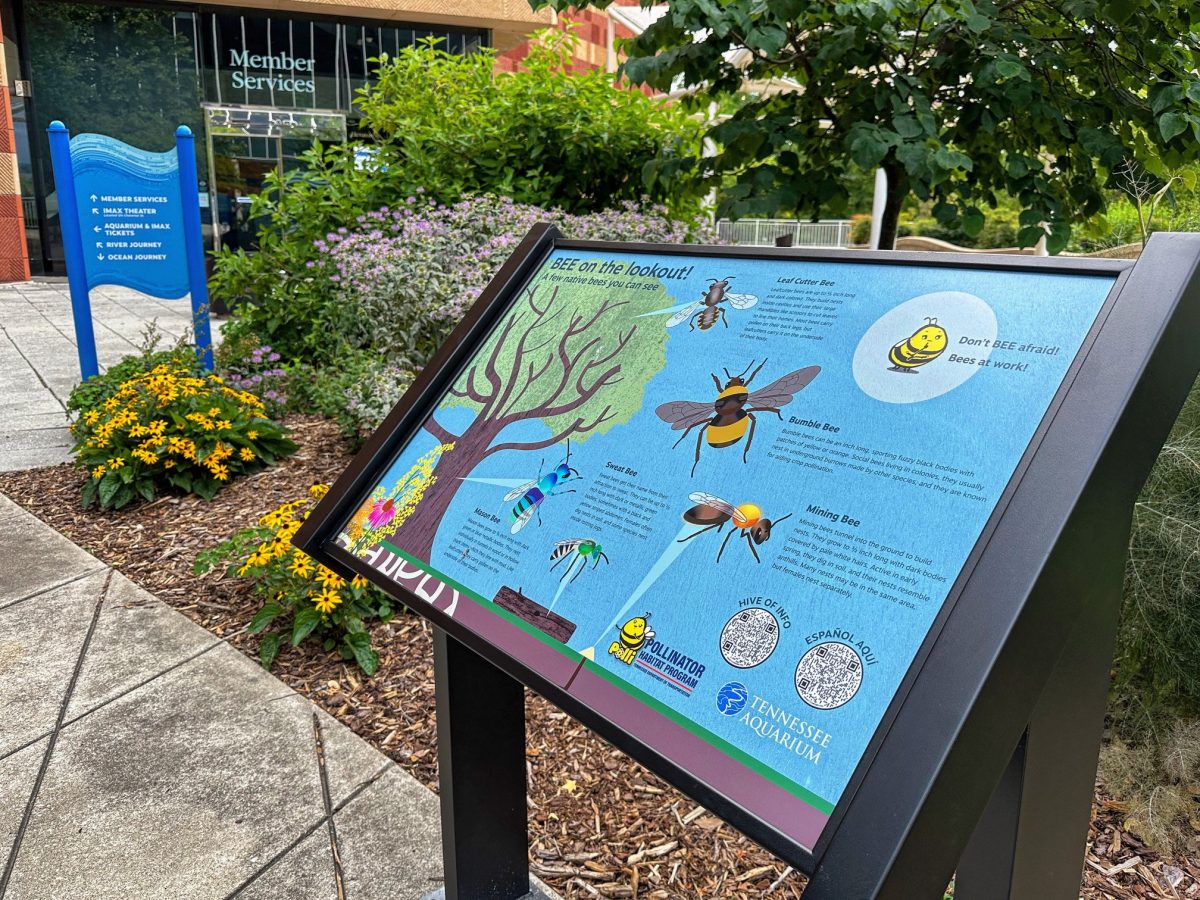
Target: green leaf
268 649
972 221
1010 68
360 646
123 496
978 23
304 624
1172 124
145 487
263 617
90 488
108 488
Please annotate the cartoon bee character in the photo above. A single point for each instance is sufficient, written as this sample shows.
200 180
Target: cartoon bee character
923 346
631 638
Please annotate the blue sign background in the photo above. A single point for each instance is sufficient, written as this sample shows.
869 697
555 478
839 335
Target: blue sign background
131 216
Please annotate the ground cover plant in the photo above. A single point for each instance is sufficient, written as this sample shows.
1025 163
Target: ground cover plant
298 593
169 426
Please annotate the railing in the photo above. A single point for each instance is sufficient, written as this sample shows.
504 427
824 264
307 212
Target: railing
29 210
765 232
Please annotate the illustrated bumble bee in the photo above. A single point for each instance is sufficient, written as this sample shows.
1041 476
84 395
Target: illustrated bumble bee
923 346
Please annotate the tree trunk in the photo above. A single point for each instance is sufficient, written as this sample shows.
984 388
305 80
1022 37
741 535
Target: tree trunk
416 535
897 191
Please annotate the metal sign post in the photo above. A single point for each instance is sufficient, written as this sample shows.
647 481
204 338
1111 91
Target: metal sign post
131 218
906 504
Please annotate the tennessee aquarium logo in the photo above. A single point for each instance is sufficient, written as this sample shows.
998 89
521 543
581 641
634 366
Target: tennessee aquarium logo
731 699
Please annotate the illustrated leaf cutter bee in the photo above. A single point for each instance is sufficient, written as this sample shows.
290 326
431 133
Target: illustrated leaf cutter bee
533 494
713 512
703 313
923 346
579 551
734 408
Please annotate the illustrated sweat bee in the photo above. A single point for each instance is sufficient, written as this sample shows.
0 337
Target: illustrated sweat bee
579 551
923 346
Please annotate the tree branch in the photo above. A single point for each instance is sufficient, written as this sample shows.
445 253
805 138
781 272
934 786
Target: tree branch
443 436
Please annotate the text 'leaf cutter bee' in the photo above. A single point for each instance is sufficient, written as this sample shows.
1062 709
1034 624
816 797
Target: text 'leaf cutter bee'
730 417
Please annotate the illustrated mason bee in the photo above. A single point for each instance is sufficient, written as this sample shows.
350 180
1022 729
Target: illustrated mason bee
923 346
730 417
748 519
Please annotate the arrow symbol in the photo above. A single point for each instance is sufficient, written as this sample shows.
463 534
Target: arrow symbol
93 198
99 256
99 246
96 228
95 212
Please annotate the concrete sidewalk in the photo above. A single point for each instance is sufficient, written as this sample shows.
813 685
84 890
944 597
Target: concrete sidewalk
39 362
142 757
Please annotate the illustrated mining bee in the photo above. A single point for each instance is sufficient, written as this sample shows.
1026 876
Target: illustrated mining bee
533 494
631 638
579 552
734 408
713 512
703 314
923 346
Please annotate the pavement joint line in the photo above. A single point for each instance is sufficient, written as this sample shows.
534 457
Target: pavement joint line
319 746
33 368
129 690
15 851
54 587
308 832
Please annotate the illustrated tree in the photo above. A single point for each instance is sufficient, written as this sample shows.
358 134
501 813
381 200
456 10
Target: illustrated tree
956 100
577 364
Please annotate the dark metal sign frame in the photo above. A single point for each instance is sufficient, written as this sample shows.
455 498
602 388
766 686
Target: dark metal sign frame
985 758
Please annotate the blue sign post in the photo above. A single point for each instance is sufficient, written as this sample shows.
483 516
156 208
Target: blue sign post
131 218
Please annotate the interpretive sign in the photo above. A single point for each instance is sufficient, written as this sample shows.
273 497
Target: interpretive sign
723 504
131 218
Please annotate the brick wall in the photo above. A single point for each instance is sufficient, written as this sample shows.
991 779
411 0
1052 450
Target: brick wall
591 27
14 256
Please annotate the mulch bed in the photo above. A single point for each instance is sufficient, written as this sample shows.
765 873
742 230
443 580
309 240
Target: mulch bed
600 824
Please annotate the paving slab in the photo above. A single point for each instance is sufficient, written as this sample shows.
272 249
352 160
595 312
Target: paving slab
40 642
18 772
50 561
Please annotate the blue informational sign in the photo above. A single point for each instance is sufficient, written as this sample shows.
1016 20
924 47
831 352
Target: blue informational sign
738 491
131 218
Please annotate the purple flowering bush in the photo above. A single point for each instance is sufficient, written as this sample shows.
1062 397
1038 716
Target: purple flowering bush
402 277
252 366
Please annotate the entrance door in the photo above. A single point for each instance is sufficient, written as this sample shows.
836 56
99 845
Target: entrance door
246 145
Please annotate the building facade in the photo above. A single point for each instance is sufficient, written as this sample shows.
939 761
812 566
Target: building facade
255 83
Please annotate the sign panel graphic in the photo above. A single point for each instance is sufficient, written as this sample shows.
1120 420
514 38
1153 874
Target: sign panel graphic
734 491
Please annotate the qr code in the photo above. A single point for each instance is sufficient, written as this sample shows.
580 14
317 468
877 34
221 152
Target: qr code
829 675
749 638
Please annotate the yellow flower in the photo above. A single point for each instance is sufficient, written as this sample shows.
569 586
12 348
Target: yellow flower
329 578
246 454
169 464
220 473
327 600
115 463
215 411
91 416
301 566
319 490
224 424
359 582
98 472
252 434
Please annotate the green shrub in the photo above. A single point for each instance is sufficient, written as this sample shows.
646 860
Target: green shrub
171 426
449 125
92 393
357 389
304 597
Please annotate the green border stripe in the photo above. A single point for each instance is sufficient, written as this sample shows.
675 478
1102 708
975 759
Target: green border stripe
718 742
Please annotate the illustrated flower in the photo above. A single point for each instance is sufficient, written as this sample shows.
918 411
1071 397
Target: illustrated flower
382 512
327 600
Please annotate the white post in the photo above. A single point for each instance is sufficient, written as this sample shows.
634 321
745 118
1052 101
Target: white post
878 206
